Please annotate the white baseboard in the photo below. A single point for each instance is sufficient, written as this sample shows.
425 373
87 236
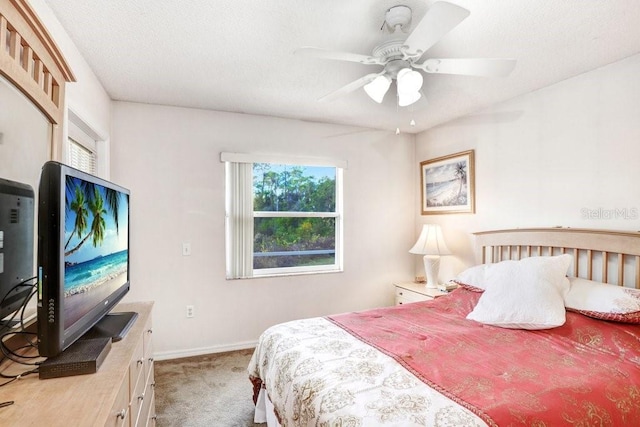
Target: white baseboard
166 355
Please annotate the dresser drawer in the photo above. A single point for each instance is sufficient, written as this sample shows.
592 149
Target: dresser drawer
151 421
136 368
147 340
120 415
148 400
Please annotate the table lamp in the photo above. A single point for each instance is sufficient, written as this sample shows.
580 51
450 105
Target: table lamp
431 244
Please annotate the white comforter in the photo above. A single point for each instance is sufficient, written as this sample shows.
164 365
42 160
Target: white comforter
317 374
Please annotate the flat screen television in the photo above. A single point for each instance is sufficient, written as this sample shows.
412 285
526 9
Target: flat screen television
17 224
83 257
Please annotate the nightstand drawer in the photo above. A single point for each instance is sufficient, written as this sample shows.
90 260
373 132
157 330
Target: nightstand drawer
404 296
407 292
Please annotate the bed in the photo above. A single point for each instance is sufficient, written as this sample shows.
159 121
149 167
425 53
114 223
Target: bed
544 331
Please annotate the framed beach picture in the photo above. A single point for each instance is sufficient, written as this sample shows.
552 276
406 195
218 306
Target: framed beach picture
447 184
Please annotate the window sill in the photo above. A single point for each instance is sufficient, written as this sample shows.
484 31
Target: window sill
301 273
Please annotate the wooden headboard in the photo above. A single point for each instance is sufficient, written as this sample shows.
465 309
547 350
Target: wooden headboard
602 255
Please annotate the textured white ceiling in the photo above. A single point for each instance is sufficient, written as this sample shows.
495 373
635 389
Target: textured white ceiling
237 55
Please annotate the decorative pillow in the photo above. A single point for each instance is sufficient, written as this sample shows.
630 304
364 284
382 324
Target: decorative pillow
524 294
472 278
603 301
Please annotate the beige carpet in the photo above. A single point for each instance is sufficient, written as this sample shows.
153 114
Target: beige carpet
212 390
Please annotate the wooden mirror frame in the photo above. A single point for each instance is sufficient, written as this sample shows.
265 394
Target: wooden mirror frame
30 60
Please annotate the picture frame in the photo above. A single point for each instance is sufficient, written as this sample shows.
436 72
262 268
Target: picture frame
447 184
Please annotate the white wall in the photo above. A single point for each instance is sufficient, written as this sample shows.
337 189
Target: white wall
85 97
169 158
566 155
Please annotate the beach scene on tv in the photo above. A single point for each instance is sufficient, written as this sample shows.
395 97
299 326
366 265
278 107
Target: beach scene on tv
95 245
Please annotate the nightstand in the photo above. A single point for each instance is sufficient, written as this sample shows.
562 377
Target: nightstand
407 292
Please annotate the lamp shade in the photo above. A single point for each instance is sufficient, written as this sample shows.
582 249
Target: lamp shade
430 241
377 88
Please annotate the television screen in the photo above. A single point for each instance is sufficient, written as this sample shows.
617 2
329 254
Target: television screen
83 253
96 250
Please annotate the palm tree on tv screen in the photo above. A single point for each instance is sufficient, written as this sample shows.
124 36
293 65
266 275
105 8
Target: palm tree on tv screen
98 225
88 188
78 206
87 198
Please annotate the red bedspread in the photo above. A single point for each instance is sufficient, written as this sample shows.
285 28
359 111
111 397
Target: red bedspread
584 373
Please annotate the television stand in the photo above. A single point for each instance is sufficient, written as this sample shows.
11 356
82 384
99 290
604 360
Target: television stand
113 325
83 357
87 354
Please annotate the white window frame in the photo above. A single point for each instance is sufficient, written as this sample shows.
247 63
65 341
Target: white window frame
240 215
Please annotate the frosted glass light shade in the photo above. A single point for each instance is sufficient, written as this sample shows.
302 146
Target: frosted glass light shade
409 80
409 85
406 99
378 88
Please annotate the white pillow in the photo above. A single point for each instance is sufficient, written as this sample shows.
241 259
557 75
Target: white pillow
603 301
473 277
525 294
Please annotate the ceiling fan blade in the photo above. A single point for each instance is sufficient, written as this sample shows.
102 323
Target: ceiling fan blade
316 52
441 18
469 66
356 84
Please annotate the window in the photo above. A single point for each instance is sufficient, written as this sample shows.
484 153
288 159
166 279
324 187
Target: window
81 148
283 218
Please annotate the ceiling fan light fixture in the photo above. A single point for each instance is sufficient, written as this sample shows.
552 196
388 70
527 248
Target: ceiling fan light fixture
406 99
409 81
409 85
378 88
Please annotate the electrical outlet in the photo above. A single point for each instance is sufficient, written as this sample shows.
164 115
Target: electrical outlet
190 311
186 249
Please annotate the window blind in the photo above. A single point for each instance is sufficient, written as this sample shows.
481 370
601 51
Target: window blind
239 218
80 157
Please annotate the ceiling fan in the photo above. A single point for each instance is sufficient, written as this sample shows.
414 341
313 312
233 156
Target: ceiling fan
401 55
